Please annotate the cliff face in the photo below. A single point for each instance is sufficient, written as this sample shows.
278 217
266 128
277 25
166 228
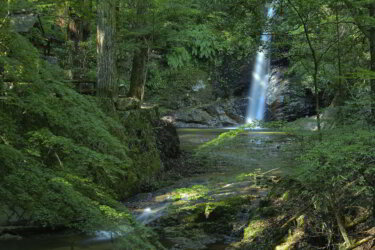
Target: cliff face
286 98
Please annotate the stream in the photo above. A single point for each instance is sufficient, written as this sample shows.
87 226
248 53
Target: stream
208 211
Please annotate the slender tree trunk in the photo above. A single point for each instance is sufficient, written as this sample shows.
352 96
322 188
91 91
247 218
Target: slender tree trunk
106 56
139 74
339 98
317 99
140 58
372 60
316 63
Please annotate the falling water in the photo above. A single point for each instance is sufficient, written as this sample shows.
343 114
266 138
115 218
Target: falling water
259 81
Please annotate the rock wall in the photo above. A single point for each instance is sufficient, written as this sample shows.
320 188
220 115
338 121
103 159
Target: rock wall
286 99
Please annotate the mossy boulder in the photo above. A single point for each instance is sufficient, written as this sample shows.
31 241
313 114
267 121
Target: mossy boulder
167 141
142 143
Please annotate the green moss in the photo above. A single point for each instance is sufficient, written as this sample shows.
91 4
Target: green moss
291 239
192 193
254 229
286 196
224 137
142 144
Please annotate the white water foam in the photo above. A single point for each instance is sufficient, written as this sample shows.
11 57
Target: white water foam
259 81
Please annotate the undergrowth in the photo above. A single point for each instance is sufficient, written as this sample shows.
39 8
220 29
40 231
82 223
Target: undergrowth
64 161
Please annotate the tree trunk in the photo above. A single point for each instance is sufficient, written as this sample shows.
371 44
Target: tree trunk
105 45
139 74
316 63
340 94
139 69
317 99
78 30
372 60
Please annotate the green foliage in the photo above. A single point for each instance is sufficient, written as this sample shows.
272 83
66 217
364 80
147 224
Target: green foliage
172 89
19 58
64 161
75 167
336 174
80 58
204 44
178 57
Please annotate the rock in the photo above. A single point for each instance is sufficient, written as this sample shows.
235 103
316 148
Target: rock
167 141
233 78
127 103
154 142
217 114
193 116
287 100
200 85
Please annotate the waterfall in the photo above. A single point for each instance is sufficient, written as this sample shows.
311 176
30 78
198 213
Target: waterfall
259 81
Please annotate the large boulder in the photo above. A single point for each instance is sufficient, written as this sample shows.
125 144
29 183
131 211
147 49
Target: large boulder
192 117
167 141
152 141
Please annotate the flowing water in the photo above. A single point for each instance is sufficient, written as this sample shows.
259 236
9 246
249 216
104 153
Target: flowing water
234 167
259 80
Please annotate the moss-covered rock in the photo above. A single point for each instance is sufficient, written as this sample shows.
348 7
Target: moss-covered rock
142 144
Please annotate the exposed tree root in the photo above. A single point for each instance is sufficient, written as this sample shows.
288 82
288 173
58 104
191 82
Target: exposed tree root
360 242
294 217
357 221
